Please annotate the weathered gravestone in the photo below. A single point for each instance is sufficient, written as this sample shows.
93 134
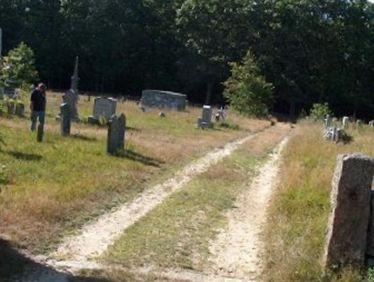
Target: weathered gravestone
346 241
116 134
371 123
206 120
20 110
11 106
163 99
71 97
328 121
40 133
103 107
65 120
345 122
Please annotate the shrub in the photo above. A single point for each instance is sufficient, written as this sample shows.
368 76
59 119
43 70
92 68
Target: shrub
246 89
19 67
320 111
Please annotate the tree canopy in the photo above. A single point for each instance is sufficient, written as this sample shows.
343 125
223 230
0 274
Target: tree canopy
312 51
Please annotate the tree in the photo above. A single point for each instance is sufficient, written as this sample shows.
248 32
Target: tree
247 90
19 67
218 31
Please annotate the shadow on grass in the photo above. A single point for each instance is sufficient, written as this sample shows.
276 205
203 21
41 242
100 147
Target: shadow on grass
83 137
15 266
134 156
24 156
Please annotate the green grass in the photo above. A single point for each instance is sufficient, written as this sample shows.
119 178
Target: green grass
49 189
299 212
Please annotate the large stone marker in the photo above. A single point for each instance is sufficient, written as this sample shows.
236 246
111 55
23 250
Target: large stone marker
103 107
346 241
116 134
163 99
65 119
206 120
71 97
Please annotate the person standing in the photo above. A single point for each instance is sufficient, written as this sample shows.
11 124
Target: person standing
37 106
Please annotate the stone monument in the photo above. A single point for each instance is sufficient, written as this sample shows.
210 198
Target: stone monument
163 99
328 121
40 133
347 236
116 134
206 120
71 96
20 109
103 108
65 119
345 122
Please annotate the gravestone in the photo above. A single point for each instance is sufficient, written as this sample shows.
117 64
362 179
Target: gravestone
328 121
116 134
206 120
40 133
11 107
65 120
346 240
20 110
103 107
71 97
359 123
163 99
371 123
345 122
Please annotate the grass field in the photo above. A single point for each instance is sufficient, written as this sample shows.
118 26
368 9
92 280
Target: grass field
299 211
48 190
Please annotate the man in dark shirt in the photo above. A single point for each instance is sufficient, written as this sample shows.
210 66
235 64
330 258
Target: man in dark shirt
37 106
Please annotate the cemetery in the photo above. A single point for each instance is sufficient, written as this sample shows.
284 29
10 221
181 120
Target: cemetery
254 161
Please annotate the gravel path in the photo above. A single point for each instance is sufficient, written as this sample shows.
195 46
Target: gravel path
237 250
97 236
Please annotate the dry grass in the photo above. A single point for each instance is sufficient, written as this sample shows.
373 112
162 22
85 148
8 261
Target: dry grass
176 234
298 216
55 187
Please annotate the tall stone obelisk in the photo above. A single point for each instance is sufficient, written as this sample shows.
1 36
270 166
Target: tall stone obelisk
71 96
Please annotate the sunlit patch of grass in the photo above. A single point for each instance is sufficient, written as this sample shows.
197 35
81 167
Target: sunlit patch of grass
299 211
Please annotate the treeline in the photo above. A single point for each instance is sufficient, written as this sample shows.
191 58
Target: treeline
310 50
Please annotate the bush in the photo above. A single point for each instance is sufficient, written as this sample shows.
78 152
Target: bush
19 67
246 89
320 111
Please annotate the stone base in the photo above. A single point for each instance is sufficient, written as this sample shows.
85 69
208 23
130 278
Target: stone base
203 124
93 120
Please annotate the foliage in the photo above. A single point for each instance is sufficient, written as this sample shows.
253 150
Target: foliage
320 111
247 90
309 50
19 67
3 174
